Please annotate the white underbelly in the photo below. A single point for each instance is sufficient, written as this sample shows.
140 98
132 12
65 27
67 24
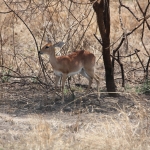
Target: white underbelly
59 73
73 73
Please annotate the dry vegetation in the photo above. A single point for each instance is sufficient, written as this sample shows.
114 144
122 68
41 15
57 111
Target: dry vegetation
87 131
28 118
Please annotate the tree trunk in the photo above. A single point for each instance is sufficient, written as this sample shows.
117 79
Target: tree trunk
103 19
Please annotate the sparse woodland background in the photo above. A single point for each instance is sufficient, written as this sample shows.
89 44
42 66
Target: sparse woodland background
74 23
26 79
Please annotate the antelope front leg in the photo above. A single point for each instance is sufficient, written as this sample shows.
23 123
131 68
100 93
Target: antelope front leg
57 78
64 77
97 81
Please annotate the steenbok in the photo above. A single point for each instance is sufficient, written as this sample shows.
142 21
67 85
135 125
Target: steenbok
82 62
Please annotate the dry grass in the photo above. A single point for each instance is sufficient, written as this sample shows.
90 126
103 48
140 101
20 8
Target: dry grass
125 129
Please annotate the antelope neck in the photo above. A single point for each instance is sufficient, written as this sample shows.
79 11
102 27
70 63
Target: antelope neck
53 59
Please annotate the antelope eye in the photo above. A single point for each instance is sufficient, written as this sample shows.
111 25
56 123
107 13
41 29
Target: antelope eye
47 47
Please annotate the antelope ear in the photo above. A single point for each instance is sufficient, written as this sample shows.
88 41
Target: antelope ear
59 44
48 40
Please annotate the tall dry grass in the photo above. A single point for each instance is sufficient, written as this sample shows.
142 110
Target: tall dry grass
73 23
126 130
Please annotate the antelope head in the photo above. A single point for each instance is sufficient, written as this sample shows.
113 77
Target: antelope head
50 48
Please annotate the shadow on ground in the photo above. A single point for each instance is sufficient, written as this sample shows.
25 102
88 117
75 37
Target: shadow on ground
18 99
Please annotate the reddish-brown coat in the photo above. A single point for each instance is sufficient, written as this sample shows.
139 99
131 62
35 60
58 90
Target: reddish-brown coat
74 61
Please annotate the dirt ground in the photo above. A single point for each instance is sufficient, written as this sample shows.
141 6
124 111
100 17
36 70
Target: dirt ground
19 100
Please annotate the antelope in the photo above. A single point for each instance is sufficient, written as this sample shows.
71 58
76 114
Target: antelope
82 62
